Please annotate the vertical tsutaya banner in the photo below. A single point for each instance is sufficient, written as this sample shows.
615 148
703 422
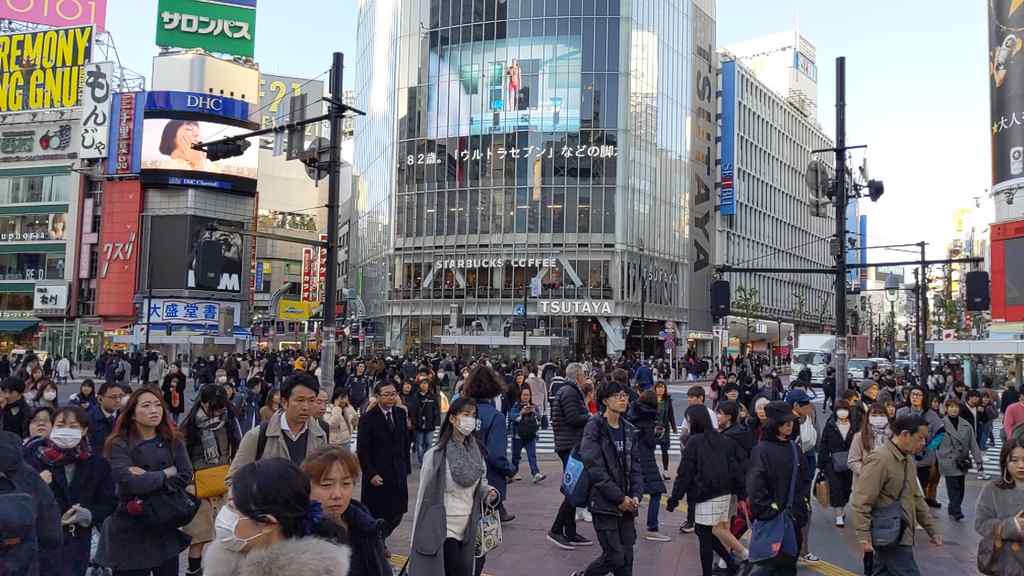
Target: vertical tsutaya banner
119 249
1006 92
56 12
221 26
43 70
96 110
727 195
702 154
125 140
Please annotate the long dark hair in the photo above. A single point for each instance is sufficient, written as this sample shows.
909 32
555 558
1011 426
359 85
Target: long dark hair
1005 481
446 427
700 420
277 487
125 429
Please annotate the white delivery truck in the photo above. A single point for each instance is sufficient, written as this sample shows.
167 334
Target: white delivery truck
814 352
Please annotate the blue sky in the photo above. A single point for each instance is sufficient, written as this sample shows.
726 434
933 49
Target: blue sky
917 89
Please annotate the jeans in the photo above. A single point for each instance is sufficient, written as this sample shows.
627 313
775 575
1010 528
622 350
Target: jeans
653 506
531 454
616 535
983 435
565 520
896 561
955 491
421 442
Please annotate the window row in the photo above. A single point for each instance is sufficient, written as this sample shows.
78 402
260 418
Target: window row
545 210
31 266
35 189
455 12
33 227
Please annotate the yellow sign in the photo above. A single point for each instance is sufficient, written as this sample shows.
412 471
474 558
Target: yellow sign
294 310
45 69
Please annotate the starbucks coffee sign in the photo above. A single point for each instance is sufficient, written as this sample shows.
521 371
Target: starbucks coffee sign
463 263
575 307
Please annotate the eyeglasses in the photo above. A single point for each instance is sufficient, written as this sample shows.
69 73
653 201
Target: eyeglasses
619 396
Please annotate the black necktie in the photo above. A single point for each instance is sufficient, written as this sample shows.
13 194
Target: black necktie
391 423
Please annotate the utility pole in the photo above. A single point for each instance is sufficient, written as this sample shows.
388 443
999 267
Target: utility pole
527 286
841 200
328 345
643 302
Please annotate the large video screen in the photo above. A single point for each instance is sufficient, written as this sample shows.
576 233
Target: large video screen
500 86
167 145
215 253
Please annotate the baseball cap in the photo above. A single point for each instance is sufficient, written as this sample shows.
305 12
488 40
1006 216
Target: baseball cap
797 396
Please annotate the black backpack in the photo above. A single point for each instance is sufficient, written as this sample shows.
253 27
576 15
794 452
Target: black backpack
528 426
19 547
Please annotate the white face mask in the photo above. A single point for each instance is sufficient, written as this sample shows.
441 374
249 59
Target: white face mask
30 395
466 425
222 380
878 421
224 527
66 437
49 395
843 414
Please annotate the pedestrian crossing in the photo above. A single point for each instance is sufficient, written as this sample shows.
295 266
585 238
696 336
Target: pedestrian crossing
546 442
991 455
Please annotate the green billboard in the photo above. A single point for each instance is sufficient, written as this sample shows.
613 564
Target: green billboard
220 26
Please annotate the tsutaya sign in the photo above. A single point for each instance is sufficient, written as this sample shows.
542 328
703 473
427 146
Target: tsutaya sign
495 263
574 307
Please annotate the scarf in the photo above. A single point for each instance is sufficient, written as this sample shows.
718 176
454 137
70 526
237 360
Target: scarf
45 454
465 462
208 427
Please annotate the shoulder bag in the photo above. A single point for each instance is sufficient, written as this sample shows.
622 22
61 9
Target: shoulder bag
168 507
776 536
887 521
576 482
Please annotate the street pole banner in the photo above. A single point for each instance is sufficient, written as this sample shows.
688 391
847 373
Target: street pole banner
1006 92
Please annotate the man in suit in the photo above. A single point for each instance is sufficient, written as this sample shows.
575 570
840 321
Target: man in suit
103 415
383 450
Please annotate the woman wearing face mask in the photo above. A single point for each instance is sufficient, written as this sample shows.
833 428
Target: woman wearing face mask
833 459
273 527
173 388
875 431
81 483
333 473
85 398
212 438
956 449
920 404
146 455
1000 509
453 486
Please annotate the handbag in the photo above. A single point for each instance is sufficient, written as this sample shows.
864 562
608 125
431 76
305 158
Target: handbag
488 533
210 482
821 490
575 482
841 461
776 536
887 521
168 509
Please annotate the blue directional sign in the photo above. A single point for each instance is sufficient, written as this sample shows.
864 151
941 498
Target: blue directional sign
519 310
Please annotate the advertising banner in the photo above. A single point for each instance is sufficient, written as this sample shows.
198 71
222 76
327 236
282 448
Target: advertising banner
703 152
119 253
1006 92
202 314
33 227
727 195
39 141
196 103
96 103
215 261
293 310
50 299
167 145
56 13
321 272
307 274
276 94
43 70
220 26
125 133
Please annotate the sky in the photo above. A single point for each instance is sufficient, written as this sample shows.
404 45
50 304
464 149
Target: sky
917 87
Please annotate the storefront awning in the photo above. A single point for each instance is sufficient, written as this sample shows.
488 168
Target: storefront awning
17 326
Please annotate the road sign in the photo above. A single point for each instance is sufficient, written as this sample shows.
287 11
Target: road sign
519 310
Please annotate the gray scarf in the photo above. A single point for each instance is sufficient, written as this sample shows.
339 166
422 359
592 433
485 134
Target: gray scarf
465 462
208 428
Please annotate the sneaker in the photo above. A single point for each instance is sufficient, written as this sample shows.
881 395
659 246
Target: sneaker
656 537
506 517
583 515
538 477
577 540
686 528
840 521
983 476
516 478
560 541
933 503
810 558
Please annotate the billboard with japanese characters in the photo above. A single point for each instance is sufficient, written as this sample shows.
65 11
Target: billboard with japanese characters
117 271
1006 92
96 110
56 12
198 314
219 26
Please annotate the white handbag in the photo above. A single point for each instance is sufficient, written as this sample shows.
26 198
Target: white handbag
488 533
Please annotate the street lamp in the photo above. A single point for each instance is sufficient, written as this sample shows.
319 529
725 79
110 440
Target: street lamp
892 294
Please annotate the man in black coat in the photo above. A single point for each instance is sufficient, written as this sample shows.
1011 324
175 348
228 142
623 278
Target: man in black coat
15 412
383 451
103 415
569 416
18 480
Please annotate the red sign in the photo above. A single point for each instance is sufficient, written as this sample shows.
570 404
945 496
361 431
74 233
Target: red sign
118 249
307 274
125 133
1006 239
322 271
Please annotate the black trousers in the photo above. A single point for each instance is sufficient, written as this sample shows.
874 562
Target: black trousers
454 564
616 535
896 561
565 519
168 568
709 546
955 490
390 524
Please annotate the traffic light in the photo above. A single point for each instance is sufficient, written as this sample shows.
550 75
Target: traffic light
875 190
230 149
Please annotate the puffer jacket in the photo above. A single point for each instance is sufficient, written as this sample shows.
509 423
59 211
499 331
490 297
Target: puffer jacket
644 417
307 556
611 478
569 416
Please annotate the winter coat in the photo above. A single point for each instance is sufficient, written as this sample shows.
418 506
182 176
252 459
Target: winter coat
997 509
17 476
612 477
928 456
538 392
711 467
125 543
366 536
100 426
492 435
515 416
832 441
644 417
385 452
275 446
768 478
228 439
958 443
341 424
424 412
14 418
358 390
174 383
569 415
430 522
306 556
743 436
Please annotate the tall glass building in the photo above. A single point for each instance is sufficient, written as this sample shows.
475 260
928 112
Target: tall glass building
523 164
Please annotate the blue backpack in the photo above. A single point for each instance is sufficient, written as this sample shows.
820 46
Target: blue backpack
576 482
